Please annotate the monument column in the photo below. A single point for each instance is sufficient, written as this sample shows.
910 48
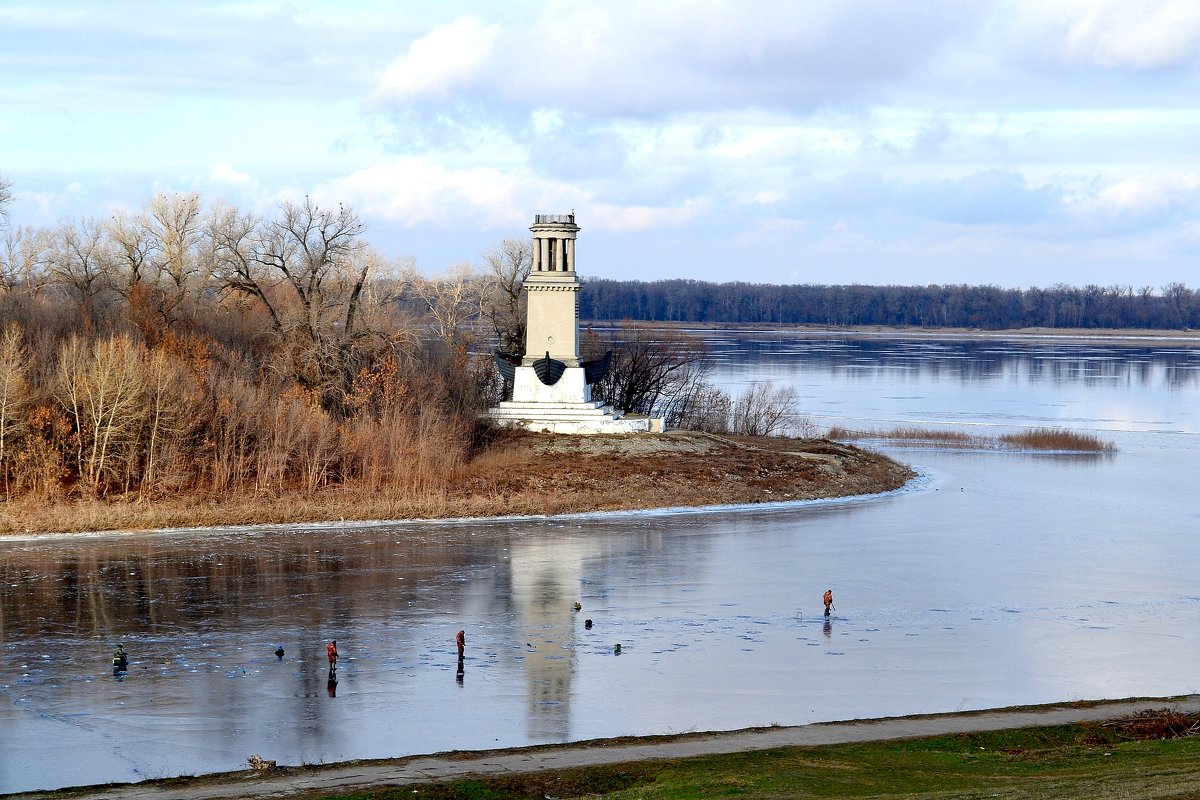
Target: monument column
551 292
551 385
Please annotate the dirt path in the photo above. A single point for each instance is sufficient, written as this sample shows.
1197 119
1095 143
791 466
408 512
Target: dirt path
451 766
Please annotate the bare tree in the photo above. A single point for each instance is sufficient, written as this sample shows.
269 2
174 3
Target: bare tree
304 268
133 246
102 389
502 301
452 300
167 385
14 394
649 368
183 256
763 410
24 257
6 197
81 261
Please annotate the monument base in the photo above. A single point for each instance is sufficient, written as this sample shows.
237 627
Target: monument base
564 407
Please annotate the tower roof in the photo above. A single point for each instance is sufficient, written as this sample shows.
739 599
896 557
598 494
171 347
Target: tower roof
554 219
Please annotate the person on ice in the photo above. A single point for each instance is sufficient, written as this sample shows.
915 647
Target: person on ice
828 598
461 641
331 651
120 659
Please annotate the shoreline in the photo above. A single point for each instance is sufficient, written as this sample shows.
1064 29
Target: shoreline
523 476
777 505
1176 338
423 769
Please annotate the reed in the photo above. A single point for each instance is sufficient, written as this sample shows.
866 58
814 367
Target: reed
1057 439
1041 439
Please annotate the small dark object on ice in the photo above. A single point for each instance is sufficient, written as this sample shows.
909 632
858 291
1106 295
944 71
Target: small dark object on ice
258 762
578 606
616 649
587 623
279 651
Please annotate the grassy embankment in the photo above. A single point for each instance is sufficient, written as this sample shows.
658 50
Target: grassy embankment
1044 439
1151 756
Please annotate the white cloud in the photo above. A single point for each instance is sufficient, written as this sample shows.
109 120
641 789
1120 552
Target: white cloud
411 192
447 58
224 173
633 58
1115 34
1145 196
610 217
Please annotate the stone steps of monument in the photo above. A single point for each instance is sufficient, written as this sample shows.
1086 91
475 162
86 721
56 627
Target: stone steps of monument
559 415
510 409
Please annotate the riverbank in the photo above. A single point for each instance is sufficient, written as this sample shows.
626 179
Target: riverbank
1094 749
1157 336
523 474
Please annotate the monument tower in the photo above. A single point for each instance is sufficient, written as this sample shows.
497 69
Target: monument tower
552 387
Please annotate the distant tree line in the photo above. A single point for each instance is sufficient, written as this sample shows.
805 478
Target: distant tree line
1172 307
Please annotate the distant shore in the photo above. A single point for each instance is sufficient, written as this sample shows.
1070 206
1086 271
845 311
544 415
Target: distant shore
525 474
1177 338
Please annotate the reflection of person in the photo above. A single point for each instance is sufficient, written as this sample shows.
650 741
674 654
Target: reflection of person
828 598
461 640
331 651
331 684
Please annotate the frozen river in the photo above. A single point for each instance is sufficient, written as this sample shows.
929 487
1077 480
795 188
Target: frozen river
995 579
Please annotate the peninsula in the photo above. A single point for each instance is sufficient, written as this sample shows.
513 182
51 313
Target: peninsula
574 474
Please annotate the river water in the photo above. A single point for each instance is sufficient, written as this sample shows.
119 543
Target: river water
994 579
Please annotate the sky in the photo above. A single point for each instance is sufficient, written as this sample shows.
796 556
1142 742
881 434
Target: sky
1014 143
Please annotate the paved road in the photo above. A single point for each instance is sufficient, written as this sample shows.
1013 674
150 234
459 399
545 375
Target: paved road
423 769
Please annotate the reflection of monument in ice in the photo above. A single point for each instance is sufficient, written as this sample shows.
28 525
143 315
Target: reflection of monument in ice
545 584
552 385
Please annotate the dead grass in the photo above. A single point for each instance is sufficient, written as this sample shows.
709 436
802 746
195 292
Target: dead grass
1157 723
1044 439
522 474
1058 439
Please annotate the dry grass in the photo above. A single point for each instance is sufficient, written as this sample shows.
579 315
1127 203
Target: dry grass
1046 439
1057 439
523 474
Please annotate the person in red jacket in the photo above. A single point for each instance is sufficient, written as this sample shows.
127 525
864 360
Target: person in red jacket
828 598
461 640
331 651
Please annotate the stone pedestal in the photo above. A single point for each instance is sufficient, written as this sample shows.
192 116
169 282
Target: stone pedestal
565 407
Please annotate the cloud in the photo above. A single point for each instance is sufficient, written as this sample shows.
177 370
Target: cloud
1113 34
411 192
448 58
224 173
637 59
1148 200
644 218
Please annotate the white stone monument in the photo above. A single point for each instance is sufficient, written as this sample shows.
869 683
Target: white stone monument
552 387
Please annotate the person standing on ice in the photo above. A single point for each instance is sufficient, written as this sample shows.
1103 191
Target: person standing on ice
331 651
828 599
